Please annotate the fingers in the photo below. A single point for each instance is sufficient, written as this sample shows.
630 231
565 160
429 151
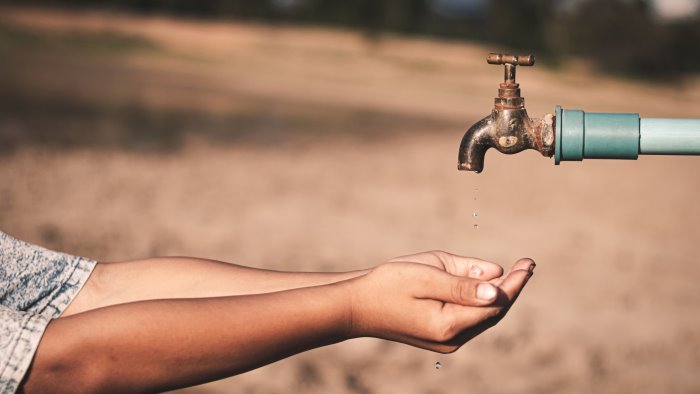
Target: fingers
456 265
454 308
474 268
453 289
516 280
510 287
513 284
526 264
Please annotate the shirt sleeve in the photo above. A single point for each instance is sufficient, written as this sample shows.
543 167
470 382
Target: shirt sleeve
20 333
37 280
36 285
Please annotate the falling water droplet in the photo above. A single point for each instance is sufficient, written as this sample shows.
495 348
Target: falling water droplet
474 214
438 365
476 226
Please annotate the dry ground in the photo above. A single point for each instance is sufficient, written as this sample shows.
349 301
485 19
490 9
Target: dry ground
315 149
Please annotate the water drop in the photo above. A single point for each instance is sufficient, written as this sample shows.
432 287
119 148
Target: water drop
474 214
476 226
438 365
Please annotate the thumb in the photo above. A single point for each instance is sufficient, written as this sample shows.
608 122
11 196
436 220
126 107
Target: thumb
445 287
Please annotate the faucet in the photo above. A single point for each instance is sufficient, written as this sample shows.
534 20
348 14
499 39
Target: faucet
508 128
569 134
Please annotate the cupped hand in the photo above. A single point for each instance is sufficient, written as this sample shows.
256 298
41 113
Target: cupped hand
468 267
434 300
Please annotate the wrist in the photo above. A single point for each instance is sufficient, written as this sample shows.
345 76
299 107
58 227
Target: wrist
346 292
349 275
359 312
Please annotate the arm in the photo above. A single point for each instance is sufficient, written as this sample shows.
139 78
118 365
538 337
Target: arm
184 277
165 344
159 345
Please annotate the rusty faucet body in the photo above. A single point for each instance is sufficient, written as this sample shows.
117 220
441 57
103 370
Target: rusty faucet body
508 128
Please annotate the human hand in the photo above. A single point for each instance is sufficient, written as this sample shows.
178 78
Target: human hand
434 300
468 267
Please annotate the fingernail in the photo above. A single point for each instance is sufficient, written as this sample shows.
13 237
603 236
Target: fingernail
476 271
485 291
531 267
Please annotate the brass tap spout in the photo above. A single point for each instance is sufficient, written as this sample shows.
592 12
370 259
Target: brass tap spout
508 128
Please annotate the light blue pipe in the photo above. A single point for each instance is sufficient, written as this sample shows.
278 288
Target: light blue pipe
581 135
658 136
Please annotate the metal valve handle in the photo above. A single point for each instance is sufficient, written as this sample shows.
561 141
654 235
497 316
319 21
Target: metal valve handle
499 58
510 61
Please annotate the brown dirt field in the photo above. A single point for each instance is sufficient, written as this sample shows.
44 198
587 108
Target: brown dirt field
366 173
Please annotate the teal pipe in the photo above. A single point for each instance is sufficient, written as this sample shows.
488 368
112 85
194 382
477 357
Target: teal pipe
581 135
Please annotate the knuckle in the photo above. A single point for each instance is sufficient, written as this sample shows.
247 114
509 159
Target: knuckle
443 329
449 332
462 291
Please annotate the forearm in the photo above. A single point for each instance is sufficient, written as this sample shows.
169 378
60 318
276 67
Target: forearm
164 344
182 277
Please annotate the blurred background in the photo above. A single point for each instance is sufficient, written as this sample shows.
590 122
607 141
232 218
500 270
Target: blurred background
323 135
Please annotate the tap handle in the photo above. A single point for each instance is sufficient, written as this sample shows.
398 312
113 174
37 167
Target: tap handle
499 58
510 61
